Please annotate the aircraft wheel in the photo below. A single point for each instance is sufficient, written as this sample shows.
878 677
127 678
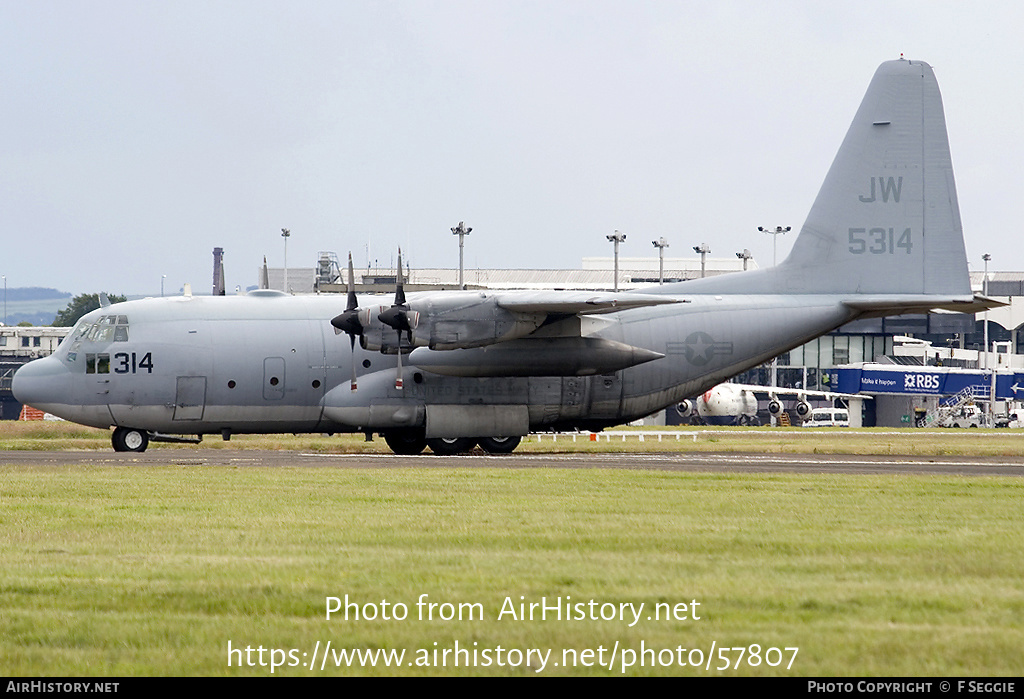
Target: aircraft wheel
406 443
448 447
499 445
127 439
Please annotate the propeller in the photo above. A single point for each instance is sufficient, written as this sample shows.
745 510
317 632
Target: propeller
400 317
349 322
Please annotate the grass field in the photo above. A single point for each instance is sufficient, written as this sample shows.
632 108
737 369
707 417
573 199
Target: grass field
124 571
48 436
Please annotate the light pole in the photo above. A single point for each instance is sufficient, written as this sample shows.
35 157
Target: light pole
745 255
661 244
779 230
285 233
616 238
461 231
984 292
5 299
988 362
162 278
703 250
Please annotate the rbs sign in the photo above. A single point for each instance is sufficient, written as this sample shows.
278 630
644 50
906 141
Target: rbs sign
929 383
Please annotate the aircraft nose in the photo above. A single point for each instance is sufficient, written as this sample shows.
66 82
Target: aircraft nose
41 383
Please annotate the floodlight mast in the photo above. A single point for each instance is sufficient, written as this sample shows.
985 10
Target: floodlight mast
461 231
703 251
661 244
616 238
745 256
285 233
988 360
779 230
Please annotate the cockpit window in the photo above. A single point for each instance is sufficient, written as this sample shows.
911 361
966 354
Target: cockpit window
105 329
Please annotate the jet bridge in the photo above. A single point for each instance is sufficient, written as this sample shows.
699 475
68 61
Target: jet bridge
905 395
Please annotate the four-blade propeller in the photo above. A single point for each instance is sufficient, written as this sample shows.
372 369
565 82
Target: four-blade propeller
400 317
350 321
355 320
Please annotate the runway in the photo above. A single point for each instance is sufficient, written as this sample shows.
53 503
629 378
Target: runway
693 462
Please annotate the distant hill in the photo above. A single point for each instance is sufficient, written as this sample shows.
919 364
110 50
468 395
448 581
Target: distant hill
36 305
36 293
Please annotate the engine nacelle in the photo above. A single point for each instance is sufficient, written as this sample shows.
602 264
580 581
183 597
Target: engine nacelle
454 320
377 336
684 407
469 319
774 408
803 409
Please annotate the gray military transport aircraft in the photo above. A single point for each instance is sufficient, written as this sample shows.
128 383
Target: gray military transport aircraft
883 237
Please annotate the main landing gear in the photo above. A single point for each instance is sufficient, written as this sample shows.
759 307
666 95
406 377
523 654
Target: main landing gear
413 442
128 439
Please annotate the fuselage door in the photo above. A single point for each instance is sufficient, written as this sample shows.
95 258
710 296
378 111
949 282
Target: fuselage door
191 398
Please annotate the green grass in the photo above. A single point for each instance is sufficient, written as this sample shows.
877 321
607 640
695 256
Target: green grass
48 436
154 570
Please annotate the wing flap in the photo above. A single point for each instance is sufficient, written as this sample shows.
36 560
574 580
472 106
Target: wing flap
578 302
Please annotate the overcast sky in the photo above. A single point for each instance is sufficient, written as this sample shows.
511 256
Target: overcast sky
139 135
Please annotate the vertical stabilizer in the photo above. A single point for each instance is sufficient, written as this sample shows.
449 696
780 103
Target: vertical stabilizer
886 220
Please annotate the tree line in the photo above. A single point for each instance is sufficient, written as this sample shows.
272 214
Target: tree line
79 306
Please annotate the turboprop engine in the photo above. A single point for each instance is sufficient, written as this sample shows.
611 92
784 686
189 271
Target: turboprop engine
453 320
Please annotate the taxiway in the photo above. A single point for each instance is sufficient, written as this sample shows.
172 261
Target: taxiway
693 462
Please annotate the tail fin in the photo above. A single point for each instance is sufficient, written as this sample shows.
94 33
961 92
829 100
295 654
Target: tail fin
886 219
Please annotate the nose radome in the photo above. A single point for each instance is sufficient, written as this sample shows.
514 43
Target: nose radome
40 383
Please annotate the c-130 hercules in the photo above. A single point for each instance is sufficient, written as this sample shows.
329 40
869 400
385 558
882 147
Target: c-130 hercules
883 237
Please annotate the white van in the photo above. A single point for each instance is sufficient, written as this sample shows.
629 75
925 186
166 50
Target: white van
828 417
962 416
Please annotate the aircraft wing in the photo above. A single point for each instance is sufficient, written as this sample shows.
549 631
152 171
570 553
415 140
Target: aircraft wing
462 320
775 391
577 302
503 343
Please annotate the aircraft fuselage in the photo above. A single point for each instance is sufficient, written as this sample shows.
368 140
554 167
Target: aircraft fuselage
269 362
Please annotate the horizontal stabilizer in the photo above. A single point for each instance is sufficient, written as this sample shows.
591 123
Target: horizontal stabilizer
890 305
